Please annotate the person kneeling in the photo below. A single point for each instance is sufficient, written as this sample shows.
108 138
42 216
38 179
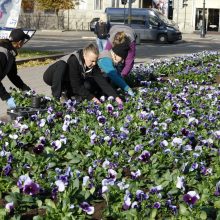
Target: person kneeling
78 75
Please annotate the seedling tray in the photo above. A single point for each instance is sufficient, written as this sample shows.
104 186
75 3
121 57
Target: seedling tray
24 112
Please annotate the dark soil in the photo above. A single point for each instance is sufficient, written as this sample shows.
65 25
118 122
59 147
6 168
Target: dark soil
99 207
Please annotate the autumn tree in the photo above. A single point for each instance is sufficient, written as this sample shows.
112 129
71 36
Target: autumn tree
55 4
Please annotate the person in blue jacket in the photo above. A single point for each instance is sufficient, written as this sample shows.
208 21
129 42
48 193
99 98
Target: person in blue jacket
108 61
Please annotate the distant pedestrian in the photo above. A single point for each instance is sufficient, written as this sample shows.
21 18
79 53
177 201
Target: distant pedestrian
101 30
118 35
8 67
78 74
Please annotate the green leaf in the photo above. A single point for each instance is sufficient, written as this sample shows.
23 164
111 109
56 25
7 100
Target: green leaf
15 189
217 204
153 214
74 160
50 203
38 217
203 215
10 198
87 194
2 213
39 203
76 183
92 190
183 210
27 199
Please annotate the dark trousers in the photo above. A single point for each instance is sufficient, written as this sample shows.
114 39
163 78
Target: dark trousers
54 76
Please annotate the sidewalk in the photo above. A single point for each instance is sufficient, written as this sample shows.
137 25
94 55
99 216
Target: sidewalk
90 34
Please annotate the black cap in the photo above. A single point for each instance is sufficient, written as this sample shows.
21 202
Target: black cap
121 50
17 35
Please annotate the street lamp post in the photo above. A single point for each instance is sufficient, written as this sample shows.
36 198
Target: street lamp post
203 20
129 12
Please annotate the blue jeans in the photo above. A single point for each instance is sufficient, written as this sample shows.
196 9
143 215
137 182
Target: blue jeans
101 44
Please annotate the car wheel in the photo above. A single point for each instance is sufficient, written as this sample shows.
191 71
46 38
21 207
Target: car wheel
162 38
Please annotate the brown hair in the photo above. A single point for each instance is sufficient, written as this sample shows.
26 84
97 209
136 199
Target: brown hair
91 48
120 37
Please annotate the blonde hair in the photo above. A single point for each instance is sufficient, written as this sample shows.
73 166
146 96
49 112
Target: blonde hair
103 18
120 37
91 48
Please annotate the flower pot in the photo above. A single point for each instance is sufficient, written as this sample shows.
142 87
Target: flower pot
35 101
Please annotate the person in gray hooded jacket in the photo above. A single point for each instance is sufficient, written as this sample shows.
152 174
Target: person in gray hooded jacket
78 75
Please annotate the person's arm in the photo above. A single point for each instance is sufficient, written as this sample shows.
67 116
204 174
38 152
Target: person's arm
76 80
108 45
15 79
96 28
129 61
103 83
106 65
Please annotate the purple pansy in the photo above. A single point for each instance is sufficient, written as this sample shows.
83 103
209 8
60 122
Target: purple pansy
145 156
30 187
10 207
127 200
38 148
7 169
157 205
87 208
191 198
217 189
136 174
141 195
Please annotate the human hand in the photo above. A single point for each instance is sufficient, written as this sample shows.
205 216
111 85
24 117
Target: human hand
130 92
96 100
119 101
11 103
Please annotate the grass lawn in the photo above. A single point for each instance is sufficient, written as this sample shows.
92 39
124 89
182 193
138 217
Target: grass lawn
28 53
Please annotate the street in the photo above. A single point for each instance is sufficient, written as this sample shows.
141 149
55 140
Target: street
69 41
146 51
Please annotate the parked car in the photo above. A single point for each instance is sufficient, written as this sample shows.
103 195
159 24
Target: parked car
148 23
93 23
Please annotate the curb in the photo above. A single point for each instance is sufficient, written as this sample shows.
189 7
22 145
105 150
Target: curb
42 58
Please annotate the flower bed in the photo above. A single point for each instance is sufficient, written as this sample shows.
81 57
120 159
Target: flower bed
156 157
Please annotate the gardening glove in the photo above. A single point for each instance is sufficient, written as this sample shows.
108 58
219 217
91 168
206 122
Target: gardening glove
130 92
11 103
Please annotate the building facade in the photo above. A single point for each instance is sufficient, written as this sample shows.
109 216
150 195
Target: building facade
186 13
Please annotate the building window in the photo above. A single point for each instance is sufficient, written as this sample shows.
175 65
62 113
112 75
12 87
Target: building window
115 3
98 4
83 5
28 6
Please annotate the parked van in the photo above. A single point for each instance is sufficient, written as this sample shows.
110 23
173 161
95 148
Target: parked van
148 23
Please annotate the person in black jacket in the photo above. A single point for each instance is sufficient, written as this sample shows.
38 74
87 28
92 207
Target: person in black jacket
101 30
78 75
8 67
